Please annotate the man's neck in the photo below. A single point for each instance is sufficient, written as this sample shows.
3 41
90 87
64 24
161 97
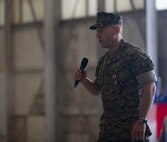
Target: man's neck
115 46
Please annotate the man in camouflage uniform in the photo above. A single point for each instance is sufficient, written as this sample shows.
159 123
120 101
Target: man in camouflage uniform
125 79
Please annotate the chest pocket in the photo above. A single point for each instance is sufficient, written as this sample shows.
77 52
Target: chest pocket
125 76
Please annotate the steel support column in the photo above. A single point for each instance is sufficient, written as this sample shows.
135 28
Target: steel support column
51 39
151 18
101 5
9 67
137 18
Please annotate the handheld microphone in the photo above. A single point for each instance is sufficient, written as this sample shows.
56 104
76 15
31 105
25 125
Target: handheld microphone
84 62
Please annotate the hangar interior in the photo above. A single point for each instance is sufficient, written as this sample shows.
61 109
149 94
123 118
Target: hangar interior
43 41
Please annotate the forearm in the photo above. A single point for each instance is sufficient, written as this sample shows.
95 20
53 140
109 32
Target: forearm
90 86
147 99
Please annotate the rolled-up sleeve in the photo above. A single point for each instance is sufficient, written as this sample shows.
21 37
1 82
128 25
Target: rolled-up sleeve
146 77
143 68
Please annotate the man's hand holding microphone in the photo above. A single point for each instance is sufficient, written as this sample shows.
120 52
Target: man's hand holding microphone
80 74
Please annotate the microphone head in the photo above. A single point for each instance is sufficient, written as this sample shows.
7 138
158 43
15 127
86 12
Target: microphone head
84 62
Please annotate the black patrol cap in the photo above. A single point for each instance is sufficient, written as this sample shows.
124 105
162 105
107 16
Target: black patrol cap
105 19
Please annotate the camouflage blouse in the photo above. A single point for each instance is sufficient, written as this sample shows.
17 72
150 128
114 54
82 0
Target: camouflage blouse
120 76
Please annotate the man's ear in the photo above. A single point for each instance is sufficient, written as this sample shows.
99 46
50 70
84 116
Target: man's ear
117 29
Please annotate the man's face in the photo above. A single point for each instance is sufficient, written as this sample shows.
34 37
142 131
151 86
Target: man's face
106 36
